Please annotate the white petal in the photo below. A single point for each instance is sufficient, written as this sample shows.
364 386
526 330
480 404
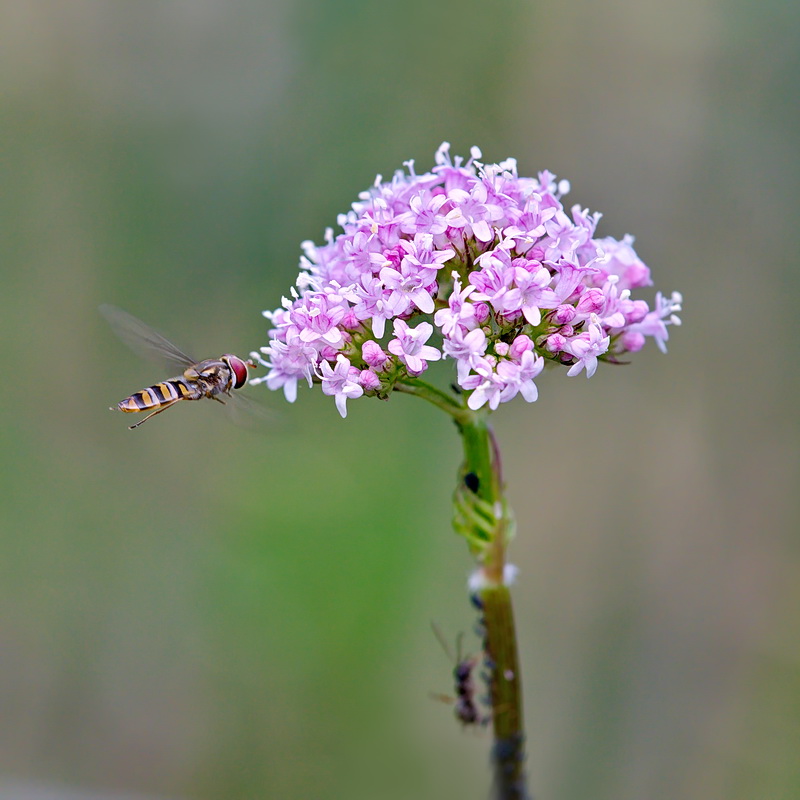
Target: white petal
378 326
423 300
529 391
290 390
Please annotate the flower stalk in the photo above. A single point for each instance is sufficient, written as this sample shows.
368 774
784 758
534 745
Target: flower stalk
483 517
433 395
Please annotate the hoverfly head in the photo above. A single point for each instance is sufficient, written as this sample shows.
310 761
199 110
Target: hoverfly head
239 369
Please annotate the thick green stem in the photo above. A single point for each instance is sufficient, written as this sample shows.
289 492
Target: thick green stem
483 517
508 750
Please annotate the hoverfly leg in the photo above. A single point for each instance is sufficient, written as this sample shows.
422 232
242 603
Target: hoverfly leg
153 413
214 397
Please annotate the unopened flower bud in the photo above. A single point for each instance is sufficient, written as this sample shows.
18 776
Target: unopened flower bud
369 380
592 301
564 314
555 343
519 346
482 312
372 354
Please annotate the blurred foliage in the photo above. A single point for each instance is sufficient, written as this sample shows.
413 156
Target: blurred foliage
193 611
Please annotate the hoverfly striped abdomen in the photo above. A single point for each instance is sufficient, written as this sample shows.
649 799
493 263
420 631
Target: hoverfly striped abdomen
160 394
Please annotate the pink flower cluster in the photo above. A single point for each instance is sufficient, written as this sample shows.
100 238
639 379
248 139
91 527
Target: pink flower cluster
484 264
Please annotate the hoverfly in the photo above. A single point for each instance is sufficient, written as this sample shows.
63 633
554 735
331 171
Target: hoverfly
199 379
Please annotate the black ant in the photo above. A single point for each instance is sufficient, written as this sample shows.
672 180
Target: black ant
466 708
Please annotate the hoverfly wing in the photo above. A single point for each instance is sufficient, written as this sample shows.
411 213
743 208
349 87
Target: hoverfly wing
245 412
143 340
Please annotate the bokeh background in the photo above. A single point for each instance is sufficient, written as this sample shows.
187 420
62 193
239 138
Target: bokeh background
192 611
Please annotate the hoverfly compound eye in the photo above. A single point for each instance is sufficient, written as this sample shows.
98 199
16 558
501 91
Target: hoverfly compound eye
239 369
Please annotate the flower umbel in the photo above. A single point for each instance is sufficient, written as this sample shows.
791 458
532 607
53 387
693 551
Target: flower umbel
485 264
473 264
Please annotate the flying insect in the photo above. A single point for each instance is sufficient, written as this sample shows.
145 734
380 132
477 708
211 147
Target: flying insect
198 380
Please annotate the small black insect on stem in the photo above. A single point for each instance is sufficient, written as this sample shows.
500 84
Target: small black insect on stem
466 708
472 482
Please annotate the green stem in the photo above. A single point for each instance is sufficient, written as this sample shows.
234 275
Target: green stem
508 750
483 516
433 395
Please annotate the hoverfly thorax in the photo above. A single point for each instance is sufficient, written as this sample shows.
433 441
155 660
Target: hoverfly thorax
219 375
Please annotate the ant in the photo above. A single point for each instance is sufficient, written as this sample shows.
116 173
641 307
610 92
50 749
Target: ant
466 708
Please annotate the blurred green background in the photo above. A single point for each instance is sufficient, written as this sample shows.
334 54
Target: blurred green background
191 611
